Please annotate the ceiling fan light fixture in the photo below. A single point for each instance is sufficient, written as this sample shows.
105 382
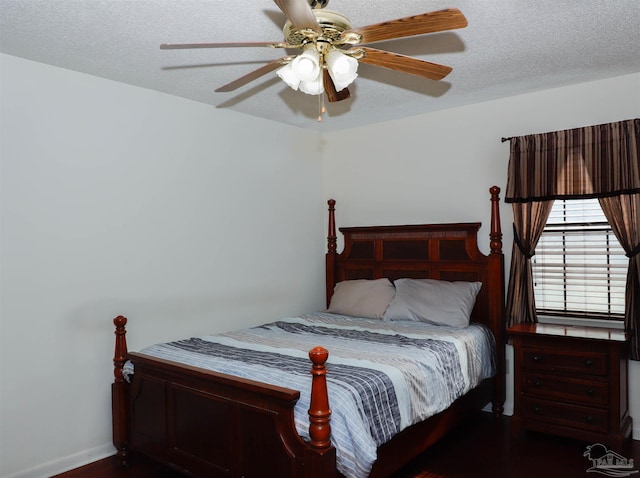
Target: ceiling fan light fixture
342 68
304 73
332 51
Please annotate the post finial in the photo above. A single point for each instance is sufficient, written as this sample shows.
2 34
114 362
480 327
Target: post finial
495 236
120 355
331 234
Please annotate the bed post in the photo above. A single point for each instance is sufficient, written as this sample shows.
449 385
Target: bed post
331 250
496 304
319 411
119 393
322 459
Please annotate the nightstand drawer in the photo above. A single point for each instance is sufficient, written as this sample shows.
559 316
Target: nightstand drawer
565 389
565 414
565 361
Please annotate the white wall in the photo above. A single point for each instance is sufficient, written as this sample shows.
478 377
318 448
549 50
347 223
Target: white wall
439 167
119 200
116 200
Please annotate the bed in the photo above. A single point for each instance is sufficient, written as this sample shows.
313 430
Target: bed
228 424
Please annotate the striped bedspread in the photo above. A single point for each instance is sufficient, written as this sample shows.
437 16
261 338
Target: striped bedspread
382 376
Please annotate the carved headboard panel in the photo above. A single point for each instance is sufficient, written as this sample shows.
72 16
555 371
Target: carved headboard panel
429 251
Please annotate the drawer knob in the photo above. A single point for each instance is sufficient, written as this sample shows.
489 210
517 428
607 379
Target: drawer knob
591 392
589 419
537 358
536 410
588 363
538 383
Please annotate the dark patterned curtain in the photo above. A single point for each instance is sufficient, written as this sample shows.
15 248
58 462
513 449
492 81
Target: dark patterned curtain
600 161
594 161
529 220
623 213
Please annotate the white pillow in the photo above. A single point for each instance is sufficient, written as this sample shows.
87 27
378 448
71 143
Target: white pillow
362 298
434 301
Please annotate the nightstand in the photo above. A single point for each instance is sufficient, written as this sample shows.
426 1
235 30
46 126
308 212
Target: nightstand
571 381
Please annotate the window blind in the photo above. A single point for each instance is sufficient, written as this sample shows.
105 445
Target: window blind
579 267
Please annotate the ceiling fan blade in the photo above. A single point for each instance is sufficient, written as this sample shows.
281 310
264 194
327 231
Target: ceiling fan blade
185 46
330 89
438 21
404 64
255 74
300 14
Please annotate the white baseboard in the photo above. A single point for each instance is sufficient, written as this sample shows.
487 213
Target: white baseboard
67 463
508 408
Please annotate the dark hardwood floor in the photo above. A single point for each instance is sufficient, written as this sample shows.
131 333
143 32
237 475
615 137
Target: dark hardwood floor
480 448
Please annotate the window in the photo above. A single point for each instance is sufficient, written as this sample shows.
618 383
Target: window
579 268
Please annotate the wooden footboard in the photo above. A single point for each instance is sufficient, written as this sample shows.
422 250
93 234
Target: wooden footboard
210 424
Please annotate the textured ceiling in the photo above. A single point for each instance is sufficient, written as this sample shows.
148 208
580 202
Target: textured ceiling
510 47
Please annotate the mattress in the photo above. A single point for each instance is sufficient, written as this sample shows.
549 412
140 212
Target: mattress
381 376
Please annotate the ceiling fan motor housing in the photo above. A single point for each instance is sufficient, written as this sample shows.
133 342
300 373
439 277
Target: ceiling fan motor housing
331 23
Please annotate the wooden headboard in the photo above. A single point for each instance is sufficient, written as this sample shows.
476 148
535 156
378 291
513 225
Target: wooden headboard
426 251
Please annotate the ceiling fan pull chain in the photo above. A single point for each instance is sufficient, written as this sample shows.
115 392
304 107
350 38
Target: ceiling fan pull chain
321 109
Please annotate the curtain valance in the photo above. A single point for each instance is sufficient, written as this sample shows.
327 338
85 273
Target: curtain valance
593 161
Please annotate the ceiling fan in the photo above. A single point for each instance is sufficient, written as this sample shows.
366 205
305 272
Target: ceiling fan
331 48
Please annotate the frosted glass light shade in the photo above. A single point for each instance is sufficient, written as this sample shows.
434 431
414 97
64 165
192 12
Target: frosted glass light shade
289 76
342 68
307 65
313 87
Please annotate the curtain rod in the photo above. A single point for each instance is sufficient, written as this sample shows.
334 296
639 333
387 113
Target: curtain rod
507 139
